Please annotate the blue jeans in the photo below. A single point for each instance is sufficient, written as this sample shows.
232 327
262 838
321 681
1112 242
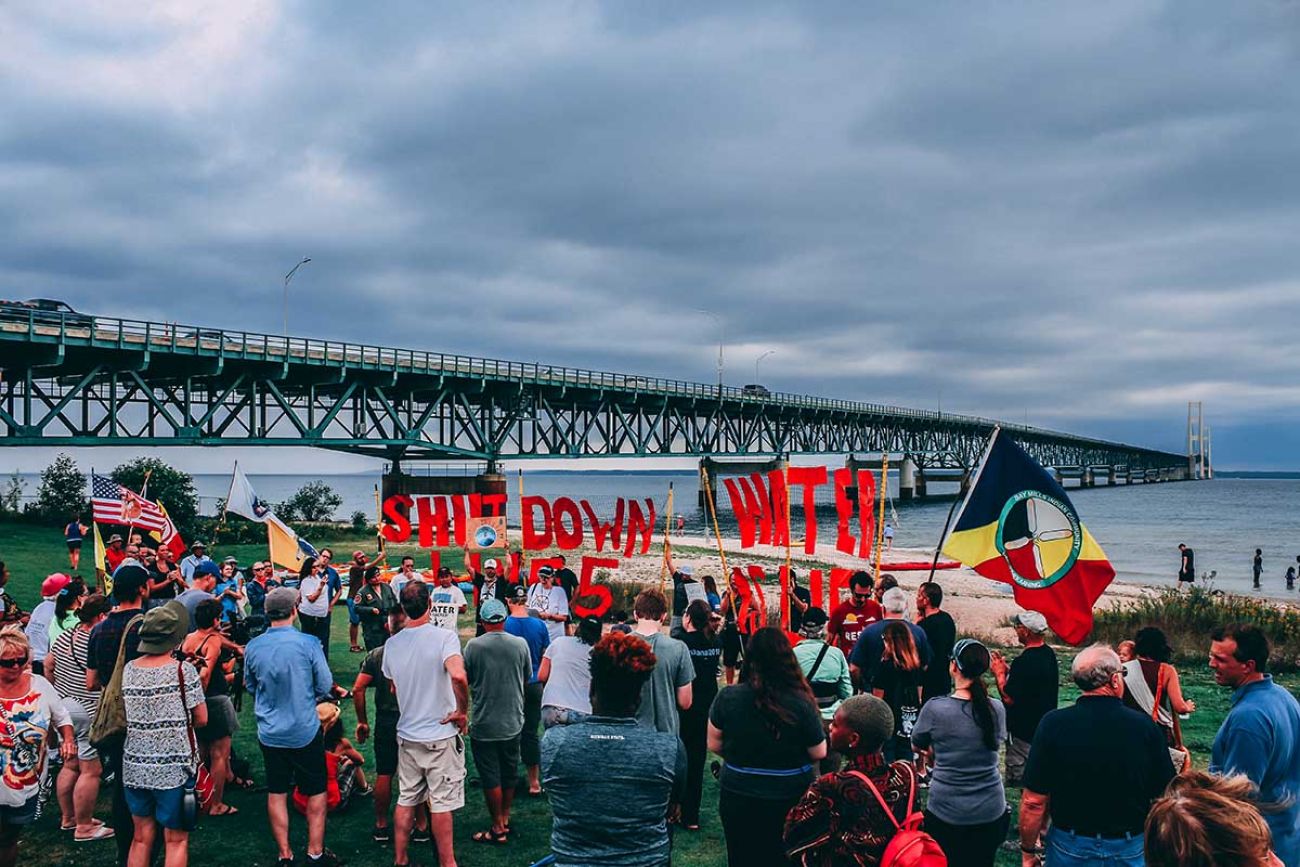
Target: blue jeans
1067 849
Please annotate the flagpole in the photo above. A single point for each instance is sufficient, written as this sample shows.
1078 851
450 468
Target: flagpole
947 524
880 524
379 524
143 490
668 520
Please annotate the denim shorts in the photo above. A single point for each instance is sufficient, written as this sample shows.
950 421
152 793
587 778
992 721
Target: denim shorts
164 805
353 617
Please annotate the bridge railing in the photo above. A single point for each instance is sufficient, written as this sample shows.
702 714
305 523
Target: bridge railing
131 334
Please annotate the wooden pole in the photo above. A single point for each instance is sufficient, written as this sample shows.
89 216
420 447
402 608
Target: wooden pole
717 532
668 520
880 523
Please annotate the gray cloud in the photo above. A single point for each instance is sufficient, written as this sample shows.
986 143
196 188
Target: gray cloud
1082 214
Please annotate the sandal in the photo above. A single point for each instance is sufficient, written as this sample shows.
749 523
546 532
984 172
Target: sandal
228 811
246 783
490 836
103 832
98 823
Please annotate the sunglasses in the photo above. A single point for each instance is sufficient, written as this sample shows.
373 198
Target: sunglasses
866 595
17 662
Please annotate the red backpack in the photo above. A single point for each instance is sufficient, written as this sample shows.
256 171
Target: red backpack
910 846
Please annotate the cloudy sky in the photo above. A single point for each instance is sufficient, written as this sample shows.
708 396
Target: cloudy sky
1082 215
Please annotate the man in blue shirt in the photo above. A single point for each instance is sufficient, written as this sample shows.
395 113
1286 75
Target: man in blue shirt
286 672
534 631
1260 737
335 588
198 554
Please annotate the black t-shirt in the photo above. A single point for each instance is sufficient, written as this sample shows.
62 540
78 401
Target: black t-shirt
1034 687
565 577
157 576
796 616
941 630
1188 566
706 653
1102 765
101 652
751 740
385 700
899 690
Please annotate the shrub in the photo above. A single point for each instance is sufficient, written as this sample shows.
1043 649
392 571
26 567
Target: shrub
314 501
167 485
62 493
358 520
1188 618
11 498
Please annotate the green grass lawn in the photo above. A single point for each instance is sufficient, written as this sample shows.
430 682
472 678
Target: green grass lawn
244 840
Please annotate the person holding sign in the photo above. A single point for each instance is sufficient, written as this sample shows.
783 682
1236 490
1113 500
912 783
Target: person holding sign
548 602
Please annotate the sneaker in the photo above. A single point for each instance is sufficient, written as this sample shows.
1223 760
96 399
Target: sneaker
326 859
382 835
419 835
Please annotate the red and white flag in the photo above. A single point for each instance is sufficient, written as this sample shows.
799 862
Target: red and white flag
169 537
115 504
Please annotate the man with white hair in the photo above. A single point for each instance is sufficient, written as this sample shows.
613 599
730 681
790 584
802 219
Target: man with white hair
1030 689
865 658
1094 768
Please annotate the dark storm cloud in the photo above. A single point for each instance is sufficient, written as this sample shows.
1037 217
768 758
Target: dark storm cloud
1079 214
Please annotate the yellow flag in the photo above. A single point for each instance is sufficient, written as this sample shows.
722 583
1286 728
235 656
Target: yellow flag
101 567
283 542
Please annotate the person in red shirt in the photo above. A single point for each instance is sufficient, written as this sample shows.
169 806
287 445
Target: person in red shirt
854 614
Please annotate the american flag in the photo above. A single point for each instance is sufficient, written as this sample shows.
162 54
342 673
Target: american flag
114 504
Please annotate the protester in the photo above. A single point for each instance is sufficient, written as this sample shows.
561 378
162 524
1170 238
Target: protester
827 672
1094 768
732 642
699 634
498 666
565 674
865 659
886 583
165 579
230 592
668 691
966 812
425 665
30 713
373 606
1260 737
1127 651
65 610
1204 820
333 590
10 611
841 821
77 786
198 554
685 587
38 624
405 574
769 733
1030 688
73 534
344 775
262 583
610 779
356 581
210 651
1151 686
385 735
531 630
488 584
711 593
202 585
800 601
898 682
546 601
286 673
854 614
567 579
941 631
448 601
114 552
314 601
114 642
164 704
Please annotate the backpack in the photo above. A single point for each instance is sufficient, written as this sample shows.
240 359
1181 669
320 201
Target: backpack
910 846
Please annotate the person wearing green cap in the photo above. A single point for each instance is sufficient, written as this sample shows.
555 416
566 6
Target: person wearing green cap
164 703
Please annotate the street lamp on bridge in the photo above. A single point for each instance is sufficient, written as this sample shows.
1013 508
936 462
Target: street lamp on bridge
287 278
757 360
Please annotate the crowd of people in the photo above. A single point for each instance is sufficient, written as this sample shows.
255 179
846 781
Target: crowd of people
833 737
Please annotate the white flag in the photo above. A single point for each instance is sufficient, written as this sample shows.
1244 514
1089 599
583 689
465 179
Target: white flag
243 500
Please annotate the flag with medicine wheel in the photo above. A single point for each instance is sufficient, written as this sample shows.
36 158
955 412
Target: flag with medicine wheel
1019 527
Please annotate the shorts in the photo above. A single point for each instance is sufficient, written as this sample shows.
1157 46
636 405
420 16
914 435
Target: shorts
433 772
222 719
19 817
81 722
164 805
354 619
1017 754
385 737
304 766
74 545
497 762
1187 577
730 646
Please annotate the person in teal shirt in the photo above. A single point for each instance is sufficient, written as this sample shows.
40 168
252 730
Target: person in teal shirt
1260 737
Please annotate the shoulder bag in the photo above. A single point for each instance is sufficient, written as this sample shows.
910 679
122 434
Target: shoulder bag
109 728
827 692
1179 754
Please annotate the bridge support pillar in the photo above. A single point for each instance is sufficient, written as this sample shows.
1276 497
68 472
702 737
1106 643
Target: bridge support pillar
1112 475
707 470
963 487
920 484
907 475
1086 478
1056 474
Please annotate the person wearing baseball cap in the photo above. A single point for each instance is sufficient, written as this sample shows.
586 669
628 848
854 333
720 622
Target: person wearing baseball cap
38 625
286 672
163 699
198 554
523 624
1030 688
488 584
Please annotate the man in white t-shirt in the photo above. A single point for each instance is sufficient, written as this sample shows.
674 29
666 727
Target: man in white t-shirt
547 601
448 601
425 666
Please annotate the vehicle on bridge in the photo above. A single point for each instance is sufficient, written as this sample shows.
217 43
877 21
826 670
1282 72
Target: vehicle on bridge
43 311
755 390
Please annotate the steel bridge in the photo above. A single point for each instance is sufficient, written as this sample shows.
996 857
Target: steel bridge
74 380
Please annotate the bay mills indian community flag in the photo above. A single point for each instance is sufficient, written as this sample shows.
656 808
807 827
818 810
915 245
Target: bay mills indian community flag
1019 527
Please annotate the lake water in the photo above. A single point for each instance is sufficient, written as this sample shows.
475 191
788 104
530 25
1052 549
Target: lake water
1223 520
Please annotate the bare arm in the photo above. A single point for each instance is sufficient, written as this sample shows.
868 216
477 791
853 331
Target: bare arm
1176 700
1033 814
685 695
714 739
359 688
544 670
818 752
200 714
455 666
